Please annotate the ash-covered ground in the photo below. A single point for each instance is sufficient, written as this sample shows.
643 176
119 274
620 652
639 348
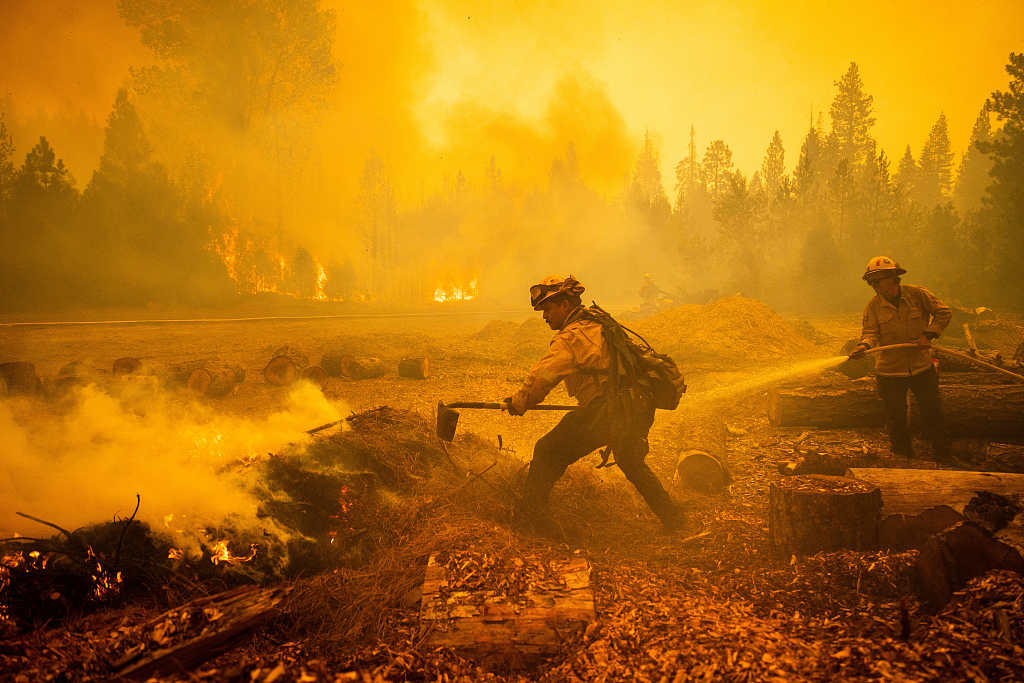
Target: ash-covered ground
345 520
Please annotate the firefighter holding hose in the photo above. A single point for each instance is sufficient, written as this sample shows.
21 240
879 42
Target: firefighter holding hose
615 417
900 314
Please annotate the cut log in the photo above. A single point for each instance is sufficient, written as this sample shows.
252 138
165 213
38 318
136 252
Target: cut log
186 636
905 532
362 368
810 513
71 375
126 366
702 464
1004 457
499 631
994 411
20 377
909 491
285 366
316 375
951 558
827 406
207 377
414 368
216 379
331 362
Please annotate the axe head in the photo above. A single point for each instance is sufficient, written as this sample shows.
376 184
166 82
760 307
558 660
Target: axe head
447 421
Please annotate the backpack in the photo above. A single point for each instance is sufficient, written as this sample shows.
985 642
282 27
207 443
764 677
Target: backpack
636 364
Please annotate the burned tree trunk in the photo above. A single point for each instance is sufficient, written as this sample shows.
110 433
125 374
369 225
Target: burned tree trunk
414 368
826 406
285 366
814 512
996 410
702 464
20 377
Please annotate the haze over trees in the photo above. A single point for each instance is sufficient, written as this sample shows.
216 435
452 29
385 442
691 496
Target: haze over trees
212 162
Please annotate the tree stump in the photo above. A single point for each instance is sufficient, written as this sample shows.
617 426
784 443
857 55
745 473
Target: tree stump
316 375
20 377
285 366
126 366
414 368
702 464
809 513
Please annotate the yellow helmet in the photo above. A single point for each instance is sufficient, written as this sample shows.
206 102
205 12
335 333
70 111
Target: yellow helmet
552 286
882 264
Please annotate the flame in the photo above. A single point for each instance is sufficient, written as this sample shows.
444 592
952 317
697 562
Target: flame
455 293
104 585
220 553
321 283
175 554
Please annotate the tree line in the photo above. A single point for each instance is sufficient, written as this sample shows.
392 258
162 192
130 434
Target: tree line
144 230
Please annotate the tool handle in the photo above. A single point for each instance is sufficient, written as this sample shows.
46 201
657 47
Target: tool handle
977 361
501 406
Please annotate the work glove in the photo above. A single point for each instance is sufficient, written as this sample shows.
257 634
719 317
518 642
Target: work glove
513 407
858 351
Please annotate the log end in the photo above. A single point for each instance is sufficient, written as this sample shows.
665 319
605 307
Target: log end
702 471
280 371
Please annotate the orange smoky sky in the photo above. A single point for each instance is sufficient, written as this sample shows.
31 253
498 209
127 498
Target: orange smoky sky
452 83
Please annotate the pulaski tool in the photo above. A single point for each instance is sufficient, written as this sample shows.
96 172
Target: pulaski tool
448 418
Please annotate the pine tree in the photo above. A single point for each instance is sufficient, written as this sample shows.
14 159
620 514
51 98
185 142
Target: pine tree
646 191
935 170
6 162
773 168
809 172
973 175
906 174
717 167
851 116
688 174
1004 199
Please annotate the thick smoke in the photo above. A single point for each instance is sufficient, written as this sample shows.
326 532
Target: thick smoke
185 460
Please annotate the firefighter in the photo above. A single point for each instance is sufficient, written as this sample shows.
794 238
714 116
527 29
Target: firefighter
900 314
580 356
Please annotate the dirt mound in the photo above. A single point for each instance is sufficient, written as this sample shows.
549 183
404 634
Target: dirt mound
496 330
735 330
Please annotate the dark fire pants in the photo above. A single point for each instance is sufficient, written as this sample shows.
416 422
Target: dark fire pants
926 389
581 432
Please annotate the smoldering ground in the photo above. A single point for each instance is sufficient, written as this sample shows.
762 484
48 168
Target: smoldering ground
186 460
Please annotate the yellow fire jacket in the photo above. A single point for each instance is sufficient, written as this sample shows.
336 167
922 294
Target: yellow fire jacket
919 311
578 356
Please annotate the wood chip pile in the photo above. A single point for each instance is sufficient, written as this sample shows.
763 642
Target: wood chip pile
736 329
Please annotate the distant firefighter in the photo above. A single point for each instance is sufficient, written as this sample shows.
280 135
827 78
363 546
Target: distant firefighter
900 314
615 410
